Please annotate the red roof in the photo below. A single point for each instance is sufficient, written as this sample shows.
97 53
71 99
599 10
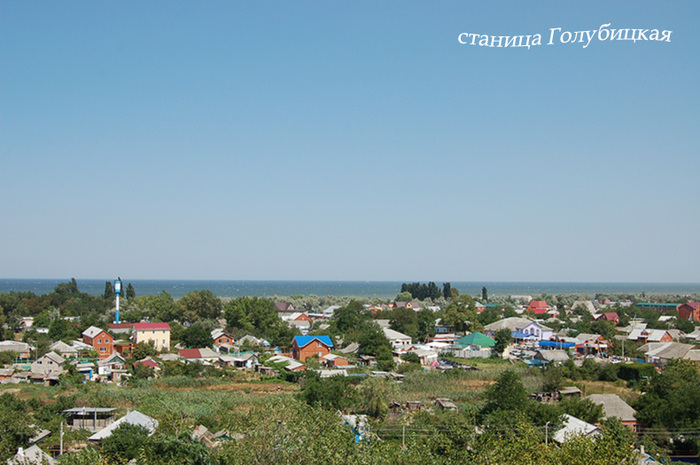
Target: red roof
694 305
610 316
190 353
151 326
536 305
148 363
120 325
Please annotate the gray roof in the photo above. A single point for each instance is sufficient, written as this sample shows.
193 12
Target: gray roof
89 410
134 417
31 455
512 323
553 355
572 427
613 406
666 350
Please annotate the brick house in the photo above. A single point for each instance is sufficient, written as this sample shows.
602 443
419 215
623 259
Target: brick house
304 347
100 340
689 311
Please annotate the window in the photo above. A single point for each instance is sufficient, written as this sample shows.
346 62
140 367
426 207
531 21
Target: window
318 344
103 349
99 341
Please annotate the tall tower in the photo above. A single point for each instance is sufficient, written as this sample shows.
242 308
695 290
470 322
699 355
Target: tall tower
118 290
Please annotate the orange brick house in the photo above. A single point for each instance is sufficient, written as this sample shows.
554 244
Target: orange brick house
100 340
304 347
689 311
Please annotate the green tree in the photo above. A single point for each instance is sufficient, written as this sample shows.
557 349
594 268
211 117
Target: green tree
371 339
447 291
507 394
405 320
109 292
124 443
460 313
130 292
200 305
503 337
161 307
197 336
404 297
330 393
258 317
14 425
143 350
672 402
484 294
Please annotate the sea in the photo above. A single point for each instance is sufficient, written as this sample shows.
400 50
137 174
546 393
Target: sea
367 289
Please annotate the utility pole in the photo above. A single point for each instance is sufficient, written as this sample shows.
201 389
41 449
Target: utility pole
60 448
546 433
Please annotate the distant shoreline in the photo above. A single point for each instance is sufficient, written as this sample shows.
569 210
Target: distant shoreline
364 289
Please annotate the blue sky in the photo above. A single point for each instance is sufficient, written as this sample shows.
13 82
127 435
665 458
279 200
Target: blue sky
347 141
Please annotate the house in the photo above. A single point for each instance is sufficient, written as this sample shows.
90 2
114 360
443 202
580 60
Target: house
659 353
615 407
573 427
148 362
89 418
304 347
113 367
474 339
289 363
134 417
398 340
427 356
689 311
158 333
611 316
223 341
31 456
538 307
26 323
252 341
332 360
100 340
414 305
63 349
590 344
205 355
6 375
48 365
120 328
545 357
283 307
585 305
22 348
521 329
87 369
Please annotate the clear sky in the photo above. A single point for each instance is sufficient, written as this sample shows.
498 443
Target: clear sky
347 140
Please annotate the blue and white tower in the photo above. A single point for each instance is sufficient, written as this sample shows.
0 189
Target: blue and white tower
118 290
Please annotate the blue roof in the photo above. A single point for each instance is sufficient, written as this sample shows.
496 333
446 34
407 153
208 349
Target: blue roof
304 340
561 344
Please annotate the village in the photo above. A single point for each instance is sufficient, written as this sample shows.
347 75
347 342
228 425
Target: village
342 348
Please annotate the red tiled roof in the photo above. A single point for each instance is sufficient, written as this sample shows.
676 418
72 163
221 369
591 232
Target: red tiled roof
148 363
151 326
190 353
611 316
694 305
537 304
